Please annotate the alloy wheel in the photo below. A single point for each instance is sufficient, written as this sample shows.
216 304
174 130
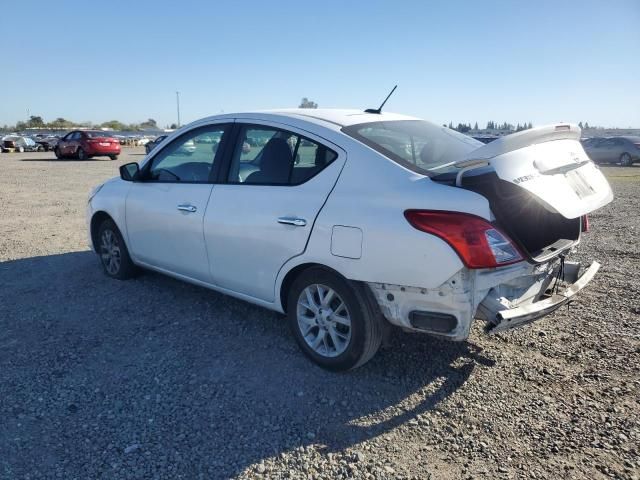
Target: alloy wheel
110 252
625 160
324 320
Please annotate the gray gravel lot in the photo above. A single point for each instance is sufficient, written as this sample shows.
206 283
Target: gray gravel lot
154 378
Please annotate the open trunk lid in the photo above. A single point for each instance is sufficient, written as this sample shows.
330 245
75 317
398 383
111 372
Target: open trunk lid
548 162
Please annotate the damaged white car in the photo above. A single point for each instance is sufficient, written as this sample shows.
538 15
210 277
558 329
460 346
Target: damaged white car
351 221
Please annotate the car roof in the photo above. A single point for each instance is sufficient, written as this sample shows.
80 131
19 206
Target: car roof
327 117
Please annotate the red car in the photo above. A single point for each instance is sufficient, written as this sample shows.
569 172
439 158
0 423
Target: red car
86 144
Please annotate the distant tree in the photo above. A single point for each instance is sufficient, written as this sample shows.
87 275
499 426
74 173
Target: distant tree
114 125
21 126
35 122
580 125
530 125
61 123
586 125
475 127
150 123
306 103
462 128
173 126
451 125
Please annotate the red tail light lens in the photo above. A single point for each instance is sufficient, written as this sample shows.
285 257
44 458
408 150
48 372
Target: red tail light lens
477 242
585 223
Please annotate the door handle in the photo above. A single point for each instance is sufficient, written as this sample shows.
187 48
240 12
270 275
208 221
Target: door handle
297 222
187 208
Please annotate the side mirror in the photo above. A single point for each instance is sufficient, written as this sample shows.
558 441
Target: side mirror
130 172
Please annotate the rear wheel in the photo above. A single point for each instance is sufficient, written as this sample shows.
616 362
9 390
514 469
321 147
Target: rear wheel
113 157
57 153
82 155
336 323
113 252
625 160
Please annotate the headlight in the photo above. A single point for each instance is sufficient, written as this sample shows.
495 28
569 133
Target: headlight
94 192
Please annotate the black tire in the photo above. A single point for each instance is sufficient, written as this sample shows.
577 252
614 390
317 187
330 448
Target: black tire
367 322
81 154
108 233
57 153
113 157
40 148
625 160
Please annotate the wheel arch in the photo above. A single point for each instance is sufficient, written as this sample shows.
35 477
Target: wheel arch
96 220
293 273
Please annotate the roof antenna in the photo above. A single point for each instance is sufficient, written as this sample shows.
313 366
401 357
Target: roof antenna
379 109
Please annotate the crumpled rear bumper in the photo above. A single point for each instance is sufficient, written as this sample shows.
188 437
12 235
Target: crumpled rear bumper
526 313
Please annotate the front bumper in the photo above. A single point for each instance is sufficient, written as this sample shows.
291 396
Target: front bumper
523 314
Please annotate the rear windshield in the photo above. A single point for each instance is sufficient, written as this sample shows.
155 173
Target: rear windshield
98 134
418 145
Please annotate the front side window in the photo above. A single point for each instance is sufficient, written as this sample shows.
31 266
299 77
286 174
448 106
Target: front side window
187 158
418 145
271 156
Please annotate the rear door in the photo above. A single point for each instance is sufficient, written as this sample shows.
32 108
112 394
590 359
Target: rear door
277 181
165 209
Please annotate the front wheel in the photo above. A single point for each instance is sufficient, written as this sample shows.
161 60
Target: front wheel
337 323
113 252
625 160
57 152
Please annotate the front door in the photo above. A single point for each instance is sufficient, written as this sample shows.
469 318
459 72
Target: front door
165 209
277 182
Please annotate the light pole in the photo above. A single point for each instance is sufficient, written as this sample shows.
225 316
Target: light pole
178 106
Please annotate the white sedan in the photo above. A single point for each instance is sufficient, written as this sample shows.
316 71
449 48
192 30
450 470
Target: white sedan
350 222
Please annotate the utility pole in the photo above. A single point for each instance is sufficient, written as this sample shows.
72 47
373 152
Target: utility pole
178 106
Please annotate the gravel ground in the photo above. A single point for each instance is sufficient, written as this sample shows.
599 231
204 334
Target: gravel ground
154 378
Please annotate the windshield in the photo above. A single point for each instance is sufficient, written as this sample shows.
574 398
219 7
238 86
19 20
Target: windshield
418 145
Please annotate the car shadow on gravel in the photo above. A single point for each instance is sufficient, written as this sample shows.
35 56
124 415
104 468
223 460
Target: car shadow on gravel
154 377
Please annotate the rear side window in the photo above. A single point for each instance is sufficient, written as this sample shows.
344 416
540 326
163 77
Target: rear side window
418 145
271 156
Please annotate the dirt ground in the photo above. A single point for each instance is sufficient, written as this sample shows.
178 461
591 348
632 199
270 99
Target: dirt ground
154 378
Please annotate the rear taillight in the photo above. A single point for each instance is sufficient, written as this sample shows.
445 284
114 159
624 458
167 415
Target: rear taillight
584 223
478 243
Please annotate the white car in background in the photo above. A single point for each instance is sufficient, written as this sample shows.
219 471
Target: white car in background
349 222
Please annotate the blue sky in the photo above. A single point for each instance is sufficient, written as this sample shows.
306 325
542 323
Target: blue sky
541 61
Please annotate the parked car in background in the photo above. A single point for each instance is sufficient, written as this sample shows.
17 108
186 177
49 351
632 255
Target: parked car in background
351 222
48 143
19 143
153 143
87 144
622 150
